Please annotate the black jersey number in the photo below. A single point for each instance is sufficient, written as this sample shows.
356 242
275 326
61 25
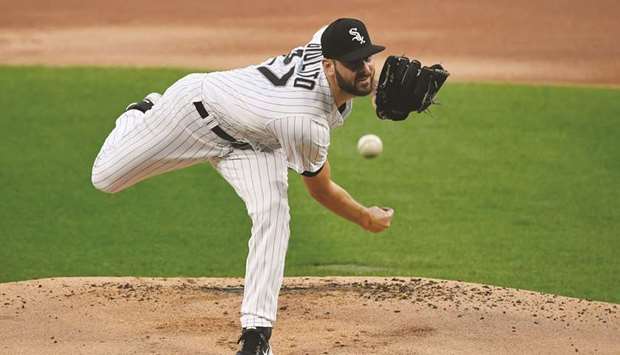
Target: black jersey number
274 78
283 80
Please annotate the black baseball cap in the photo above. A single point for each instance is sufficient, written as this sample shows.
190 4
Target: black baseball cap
347 39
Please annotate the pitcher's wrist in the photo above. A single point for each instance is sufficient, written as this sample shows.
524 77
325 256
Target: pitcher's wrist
365 219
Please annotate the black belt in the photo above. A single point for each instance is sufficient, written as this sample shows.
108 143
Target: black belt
202 111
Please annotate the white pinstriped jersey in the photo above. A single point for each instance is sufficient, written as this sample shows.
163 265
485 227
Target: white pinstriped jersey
283 102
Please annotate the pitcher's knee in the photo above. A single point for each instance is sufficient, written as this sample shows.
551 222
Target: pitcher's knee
104 183
274 215
104 186
260 210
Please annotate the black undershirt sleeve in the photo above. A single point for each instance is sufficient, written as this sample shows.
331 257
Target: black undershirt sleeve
311 174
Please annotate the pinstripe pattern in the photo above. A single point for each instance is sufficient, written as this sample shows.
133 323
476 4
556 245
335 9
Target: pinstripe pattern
285 111
170 136
245 101
261 180
304 140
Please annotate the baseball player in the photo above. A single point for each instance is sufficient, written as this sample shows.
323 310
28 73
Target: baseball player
252 124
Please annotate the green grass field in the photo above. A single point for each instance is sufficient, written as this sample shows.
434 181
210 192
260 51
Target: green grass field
509 185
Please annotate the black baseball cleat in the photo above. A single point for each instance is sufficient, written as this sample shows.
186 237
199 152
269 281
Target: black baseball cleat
146 103
255 341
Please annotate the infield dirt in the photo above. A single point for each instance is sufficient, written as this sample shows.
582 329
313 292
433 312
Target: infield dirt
525 41
567 41
316 316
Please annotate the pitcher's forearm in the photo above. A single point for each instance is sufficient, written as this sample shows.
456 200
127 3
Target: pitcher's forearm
339 201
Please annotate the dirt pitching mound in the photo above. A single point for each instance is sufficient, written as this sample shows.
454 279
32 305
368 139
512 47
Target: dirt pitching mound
316 316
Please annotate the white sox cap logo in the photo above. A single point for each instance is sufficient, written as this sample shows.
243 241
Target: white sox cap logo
356 35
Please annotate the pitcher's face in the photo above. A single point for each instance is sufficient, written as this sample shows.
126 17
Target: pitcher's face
356 77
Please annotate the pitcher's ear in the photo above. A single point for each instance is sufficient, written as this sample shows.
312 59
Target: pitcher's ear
328 66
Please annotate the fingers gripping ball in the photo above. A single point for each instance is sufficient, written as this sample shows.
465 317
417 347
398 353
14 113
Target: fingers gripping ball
369 146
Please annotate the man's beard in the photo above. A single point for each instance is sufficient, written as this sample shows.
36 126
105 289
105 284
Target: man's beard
351 88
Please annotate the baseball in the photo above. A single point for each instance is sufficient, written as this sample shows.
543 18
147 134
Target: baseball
369 146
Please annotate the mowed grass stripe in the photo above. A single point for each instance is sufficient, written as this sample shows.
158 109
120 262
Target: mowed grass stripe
509 185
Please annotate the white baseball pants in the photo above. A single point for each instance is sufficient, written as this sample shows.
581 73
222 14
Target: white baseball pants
171 136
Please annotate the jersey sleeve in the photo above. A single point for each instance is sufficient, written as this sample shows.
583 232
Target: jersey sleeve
347 109
304 140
